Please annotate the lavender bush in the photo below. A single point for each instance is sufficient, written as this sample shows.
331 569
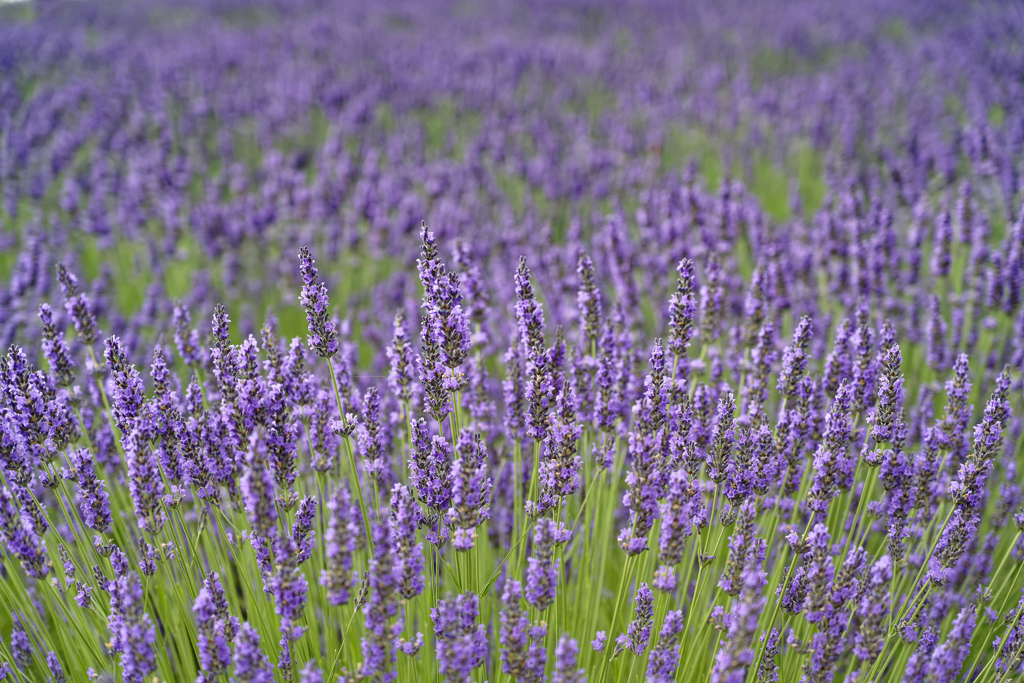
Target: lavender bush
492 342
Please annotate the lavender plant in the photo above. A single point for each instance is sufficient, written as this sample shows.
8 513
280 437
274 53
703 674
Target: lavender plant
708 366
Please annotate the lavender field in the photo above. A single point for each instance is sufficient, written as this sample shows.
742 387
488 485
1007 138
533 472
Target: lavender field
552 342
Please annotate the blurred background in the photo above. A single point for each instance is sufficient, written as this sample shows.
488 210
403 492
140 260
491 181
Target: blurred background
185 150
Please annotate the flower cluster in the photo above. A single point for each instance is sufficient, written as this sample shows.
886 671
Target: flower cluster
711 357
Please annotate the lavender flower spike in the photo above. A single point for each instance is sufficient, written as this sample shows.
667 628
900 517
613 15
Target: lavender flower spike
323 336
461 642
566 653
638 633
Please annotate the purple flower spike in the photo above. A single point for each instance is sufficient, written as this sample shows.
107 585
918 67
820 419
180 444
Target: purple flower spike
566 655
833 467
664 659
873 611
682 312
186 338
523 654
93 501
341 540
132 634
400 357
471 493
127 395
405 518
55 349
539 388
251 664
145 483
78 307
948 658
588 302
794 360
542 568
323 335
214 652
638 632
461 642
56 670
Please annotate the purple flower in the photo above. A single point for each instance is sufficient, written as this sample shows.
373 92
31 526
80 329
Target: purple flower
918 662
746 551
948 658
819 572
284 663
768 672
214 652
471 493
372 441
78 307
55 349
56 670
219 598
711 294
132 634
461 642
794 360
968 489
281 438
186 338
444 330
953 426
539 388
682 311
400 356
323 335
664 658
736 653
638 632
287 583
955 540
512 389
302 529
588 303
865 366
560 469
542 567
145 482
873 611
722 439
645 480
341 540
567 652
935 334
258 492
21 645
405 518
839 362
20 537
127 395
93 501
680 512
833 468
523 654
311 673
380 641
251 664
1010 657
762 356
431 469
